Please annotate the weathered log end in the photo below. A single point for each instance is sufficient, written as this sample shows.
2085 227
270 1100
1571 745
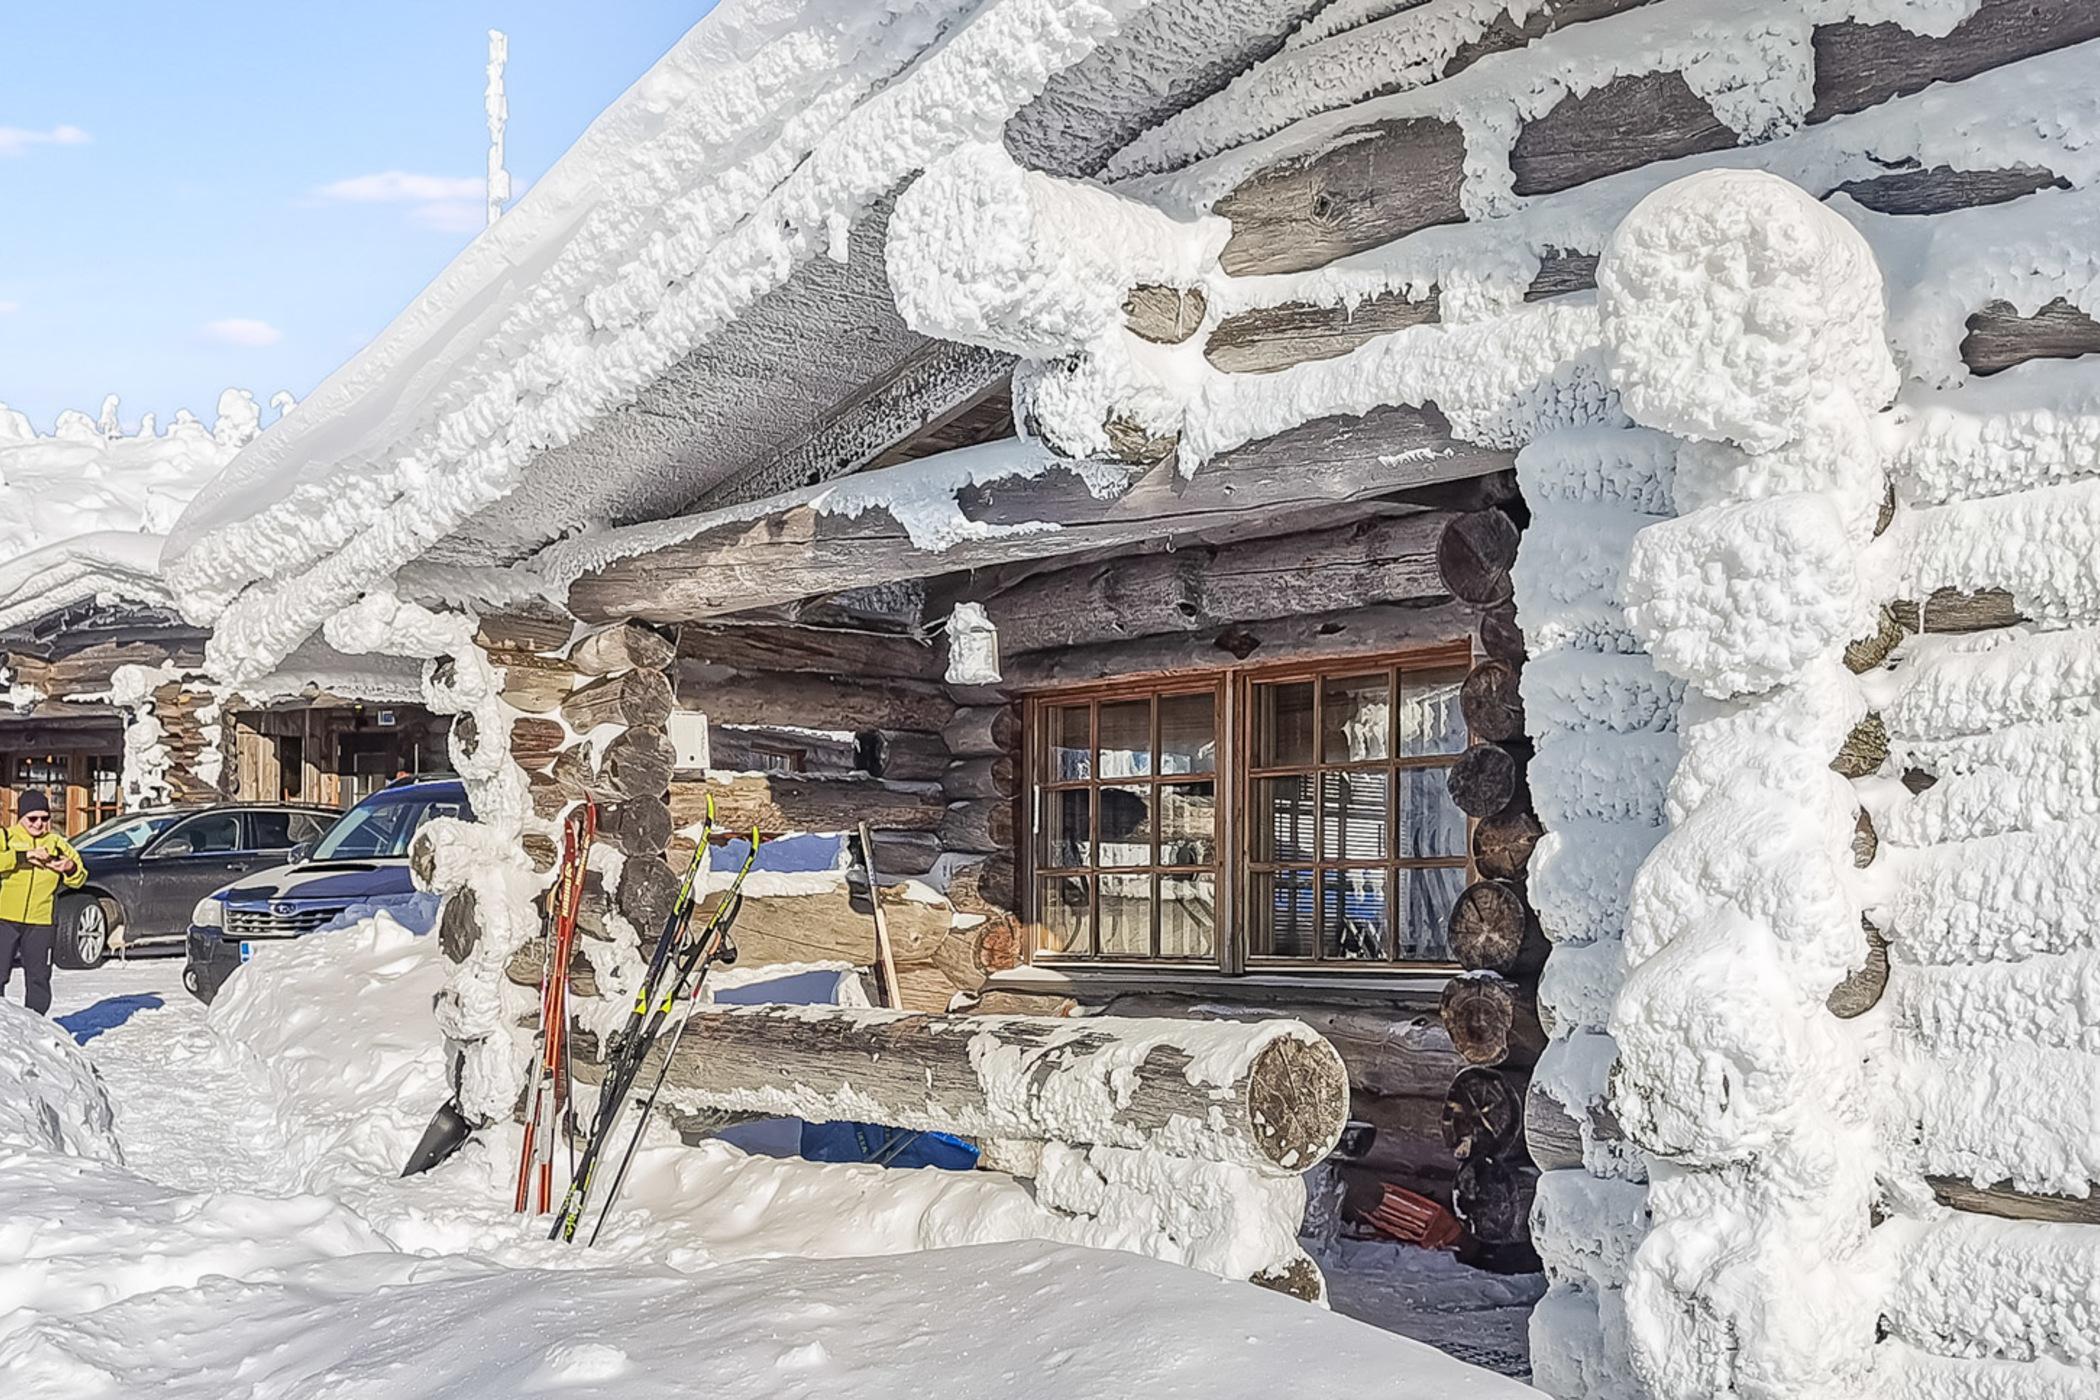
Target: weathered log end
1293 1091
1300 1278
1474 557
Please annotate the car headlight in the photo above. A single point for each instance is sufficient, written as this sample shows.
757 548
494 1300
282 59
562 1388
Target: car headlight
209 913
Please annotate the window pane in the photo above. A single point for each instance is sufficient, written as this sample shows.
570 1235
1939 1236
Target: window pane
1064 914
1188 823
1071 743
1283 716
1188 733
1126 916
1283 819
1430 895
1126 827
1352 915
1188 916
1280 925
1356 719
1068 828
1353 812
1126 739
1430 823
1430 719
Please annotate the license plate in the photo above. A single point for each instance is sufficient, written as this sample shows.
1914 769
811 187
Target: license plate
247 950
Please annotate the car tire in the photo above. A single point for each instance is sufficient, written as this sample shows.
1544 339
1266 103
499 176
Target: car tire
80 931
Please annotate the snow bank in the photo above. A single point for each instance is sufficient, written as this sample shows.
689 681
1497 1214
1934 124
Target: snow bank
1048 1323
50 1097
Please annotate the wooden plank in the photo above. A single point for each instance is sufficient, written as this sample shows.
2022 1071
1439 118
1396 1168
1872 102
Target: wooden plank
796 550
2000 337
1628 123
1197 589
1389 180
1941 189
830 651
2002 1201
1270 338
1861 65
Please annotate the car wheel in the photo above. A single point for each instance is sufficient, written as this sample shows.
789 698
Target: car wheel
80 932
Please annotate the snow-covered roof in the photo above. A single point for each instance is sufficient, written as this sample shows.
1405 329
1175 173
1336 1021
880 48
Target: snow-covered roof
84 509
697 282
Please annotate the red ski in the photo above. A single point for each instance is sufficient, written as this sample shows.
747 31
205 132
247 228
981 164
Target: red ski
548 1098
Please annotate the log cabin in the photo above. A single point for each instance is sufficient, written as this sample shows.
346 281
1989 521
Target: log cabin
1547 541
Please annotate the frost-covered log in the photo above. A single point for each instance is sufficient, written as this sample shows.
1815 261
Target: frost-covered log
1272 1096
1969 1285
624 646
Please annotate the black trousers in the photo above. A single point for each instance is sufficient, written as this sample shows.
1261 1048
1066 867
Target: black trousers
32 943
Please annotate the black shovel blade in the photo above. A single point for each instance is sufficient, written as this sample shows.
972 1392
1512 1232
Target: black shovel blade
447 1133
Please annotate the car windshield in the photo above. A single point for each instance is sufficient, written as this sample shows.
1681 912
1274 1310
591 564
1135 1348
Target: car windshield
378 830
124 833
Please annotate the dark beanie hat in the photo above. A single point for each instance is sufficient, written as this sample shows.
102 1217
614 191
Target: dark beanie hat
33 801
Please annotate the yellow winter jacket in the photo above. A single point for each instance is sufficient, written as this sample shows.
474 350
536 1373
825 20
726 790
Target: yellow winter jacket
26 891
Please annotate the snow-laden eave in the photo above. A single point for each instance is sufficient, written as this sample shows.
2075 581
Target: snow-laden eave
116 565
923 497
390 459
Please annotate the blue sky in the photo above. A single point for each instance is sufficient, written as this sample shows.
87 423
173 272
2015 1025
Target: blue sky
190 193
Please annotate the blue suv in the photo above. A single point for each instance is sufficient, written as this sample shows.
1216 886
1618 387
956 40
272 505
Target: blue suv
359 864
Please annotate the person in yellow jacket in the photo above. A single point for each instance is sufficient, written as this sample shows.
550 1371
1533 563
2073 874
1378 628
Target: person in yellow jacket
34 862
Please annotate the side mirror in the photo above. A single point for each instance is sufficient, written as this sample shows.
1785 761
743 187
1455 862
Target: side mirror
299 854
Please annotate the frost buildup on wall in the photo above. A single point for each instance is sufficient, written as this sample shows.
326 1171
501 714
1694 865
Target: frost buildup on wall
1603 722
1746 320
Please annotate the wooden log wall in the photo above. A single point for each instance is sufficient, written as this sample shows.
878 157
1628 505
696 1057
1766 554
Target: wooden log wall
819 729
183 734
591 720
1491 1013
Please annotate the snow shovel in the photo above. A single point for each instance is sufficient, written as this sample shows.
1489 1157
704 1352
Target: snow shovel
447 1133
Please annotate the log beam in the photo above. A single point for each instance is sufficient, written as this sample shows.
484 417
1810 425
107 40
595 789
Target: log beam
1493 1021
734 560
1195 589
1278 1107
778 806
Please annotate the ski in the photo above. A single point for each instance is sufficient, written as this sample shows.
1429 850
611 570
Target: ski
547 1095
677 952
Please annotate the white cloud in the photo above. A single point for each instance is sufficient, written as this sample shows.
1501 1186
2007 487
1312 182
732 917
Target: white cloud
14 140
242 331
446 203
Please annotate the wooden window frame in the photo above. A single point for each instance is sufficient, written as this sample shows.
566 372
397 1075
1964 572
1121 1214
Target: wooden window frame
1235 775
1036 747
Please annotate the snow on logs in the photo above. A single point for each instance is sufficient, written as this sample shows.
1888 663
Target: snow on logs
1269 1096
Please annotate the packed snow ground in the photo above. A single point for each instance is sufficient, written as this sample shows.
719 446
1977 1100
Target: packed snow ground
236 1229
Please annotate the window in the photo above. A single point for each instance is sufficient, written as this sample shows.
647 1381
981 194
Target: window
213 832
1126 826
105 780
280 831
1355 851
1304 813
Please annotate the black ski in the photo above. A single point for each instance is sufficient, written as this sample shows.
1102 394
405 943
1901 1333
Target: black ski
679 955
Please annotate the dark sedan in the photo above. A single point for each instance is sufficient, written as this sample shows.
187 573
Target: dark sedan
146 871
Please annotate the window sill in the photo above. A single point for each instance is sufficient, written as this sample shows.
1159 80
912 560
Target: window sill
1081 982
